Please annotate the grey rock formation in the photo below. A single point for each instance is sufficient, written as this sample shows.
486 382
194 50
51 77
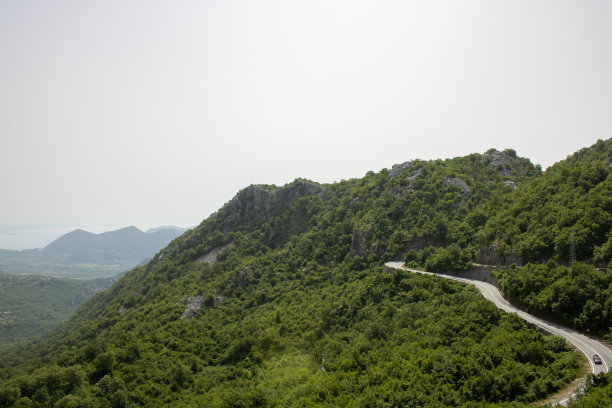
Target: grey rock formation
500 160
211 257
460 184
258 203
491 255
404 188
194 304
412 178
397 168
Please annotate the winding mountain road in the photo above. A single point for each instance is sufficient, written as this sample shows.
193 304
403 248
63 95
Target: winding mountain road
586 345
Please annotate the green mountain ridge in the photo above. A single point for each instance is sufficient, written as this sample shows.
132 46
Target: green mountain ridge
298 311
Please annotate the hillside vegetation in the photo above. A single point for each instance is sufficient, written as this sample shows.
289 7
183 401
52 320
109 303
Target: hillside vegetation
33 305
580 296
296 309
573 197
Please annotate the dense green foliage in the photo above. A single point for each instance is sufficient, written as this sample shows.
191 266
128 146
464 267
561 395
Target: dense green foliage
573 196
580 296
394 338
34 305
298 311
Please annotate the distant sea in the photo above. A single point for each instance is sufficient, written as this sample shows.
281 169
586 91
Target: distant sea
18 237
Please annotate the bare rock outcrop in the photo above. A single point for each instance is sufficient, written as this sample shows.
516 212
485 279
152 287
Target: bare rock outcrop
412 178
501 161
494 255
460 184
211 257
258 203
398 168
193 306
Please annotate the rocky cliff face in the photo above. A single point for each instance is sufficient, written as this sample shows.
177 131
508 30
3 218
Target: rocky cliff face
257 203
491 255
251 207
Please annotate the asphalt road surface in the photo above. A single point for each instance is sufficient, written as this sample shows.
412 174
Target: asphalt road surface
588 346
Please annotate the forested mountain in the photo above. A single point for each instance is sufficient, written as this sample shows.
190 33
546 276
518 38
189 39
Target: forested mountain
280 298
573 198
82 254
128 243
572 201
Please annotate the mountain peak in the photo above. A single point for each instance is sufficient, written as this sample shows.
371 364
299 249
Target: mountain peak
260 202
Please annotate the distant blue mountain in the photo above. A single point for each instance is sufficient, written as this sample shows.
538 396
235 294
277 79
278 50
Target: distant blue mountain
113 250
128 244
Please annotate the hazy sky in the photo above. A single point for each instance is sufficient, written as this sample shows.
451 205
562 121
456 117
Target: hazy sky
149 112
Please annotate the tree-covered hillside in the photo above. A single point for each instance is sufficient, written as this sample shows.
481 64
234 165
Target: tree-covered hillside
33 305
580 296
572 198
280 299
571 201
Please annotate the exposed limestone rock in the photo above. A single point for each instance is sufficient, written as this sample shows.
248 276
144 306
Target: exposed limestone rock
409 185
501 161
211 257
411 179
194 304
457 182
258 203
493 255
509 183
122 310
397 168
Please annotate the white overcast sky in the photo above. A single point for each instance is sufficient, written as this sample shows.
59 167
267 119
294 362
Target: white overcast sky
157 112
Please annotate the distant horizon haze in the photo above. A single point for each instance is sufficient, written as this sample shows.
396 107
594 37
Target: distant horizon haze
131 112
17 237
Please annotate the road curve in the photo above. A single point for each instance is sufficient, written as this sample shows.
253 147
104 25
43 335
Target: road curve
586 345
